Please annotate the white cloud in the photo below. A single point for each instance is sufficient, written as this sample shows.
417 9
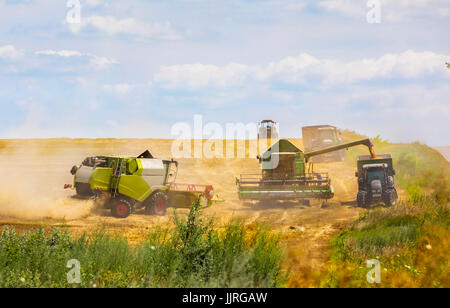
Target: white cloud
95 62
127 26
102 62
305 69
61 53
121 88
10 52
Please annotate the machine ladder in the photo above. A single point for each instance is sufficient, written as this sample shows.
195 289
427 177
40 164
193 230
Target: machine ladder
116 177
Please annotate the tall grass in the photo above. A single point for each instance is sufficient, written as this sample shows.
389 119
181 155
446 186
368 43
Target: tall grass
193 254
411 241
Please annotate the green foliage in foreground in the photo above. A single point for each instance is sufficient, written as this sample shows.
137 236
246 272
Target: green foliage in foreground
193 254
411 241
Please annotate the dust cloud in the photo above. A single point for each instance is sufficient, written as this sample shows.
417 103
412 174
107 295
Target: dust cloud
14 202
32 176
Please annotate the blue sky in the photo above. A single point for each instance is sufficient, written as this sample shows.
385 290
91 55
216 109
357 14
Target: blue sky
134 68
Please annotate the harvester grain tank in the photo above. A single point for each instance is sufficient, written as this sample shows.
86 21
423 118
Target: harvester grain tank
319 137
287 175
132 182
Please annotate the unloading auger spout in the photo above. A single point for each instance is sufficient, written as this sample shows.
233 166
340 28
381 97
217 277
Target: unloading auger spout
365 142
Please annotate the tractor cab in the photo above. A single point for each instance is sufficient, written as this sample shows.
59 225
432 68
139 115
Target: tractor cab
375 177
376 181
326 137
319 137
375 172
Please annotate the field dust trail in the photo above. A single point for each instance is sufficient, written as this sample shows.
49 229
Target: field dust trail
30 186
16 204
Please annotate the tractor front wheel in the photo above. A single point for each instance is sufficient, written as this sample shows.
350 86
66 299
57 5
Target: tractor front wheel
390 197
361 199
121 208
158 204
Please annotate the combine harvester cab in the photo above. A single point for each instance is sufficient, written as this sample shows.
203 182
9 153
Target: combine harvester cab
141 182
83 173
284 177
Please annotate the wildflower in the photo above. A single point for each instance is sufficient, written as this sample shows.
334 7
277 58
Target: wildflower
22 279
428 247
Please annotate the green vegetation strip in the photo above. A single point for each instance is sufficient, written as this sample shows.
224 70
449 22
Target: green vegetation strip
193 254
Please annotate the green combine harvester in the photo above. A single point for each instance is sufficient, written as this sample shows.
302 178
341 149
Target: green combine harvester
288 175
133 182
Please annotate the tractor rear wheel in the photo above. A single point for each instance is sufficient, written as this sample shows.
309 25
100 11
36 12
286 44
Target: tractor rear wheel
361 199
121 208
390 197
158 204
